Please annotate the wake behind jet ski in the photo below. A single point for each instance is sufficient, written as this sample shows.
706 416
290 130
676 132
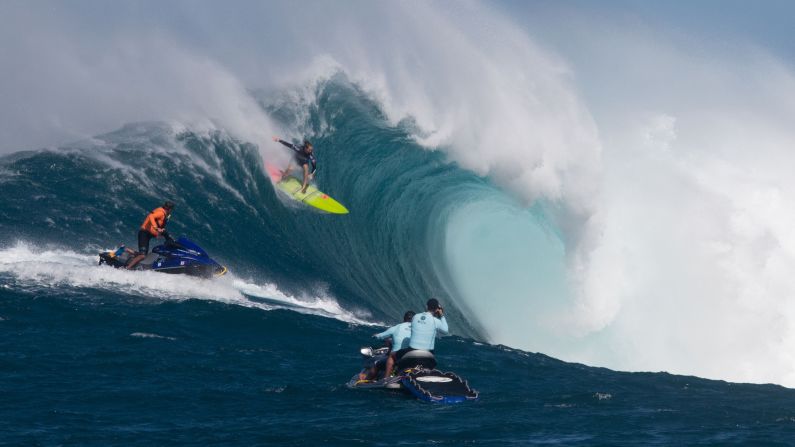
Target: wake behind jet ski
416 373
181 256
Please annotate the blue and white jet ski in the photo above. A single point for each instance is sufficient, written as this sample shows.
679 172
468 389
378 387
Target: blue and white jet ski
416 373
180 256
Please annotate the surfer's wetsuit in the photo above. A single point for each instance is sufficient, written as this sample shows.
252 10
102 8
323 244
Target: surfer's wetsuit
400 333
301 157
423 330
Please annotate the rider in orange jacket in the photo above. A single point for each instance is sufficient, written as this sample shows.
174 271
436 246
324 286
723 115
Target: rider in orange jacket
154 225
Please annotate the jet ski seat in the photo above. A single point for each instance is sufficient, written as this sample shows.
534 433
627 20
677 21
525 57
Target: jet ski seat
417 357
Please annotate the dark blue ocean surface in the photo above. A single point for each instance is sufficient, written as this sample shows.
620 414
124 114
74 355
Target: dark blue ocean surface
93 368
90 355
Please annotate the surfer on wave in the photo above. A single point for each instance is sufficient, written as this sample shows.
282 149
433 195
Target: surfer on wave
303 157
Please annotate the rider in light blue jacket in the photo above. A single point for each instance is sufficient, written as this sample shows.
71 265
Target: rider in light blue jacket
425 325
400 334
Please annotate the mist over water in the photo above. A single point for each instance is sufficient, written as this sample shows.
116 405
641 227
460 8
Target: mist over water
620 199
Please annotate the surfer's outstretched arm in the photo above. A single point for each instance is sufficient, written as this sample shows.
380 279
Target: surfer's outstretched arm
287 143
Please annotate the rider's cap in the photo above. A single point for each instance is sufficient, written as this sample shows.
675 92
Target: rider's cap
408 315
168 205
433 304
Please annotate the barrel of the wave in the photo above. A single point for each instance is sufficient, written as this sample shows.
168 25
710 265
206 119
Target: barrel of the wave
313 197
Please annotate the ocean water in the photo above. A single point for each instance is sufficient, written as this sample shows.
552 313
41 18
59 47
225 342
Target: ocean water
94 356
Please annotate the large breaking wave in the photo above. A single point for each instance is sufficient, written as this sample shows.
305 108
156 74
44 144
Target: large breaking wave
633 218
387 256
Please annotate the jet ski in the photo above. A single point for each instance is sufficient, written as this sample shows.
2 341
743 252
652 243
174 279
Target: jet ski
415 373
375 361
181 256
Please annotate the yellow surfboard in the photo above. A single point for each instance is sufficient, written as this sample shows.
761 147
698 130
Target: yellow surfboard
312 197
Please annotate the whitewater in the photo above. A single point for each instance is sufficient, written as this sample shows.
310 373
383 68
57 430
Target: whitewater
563 195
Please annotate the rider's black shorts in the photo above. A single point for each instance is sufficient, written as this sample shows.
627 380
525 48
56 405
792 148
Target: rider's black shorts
143 241
399 354
411 349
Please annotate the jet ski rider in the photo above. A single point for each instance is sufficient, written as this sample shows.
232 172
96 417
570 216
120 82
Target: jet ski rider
400 333
425 325
154 225
304 157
